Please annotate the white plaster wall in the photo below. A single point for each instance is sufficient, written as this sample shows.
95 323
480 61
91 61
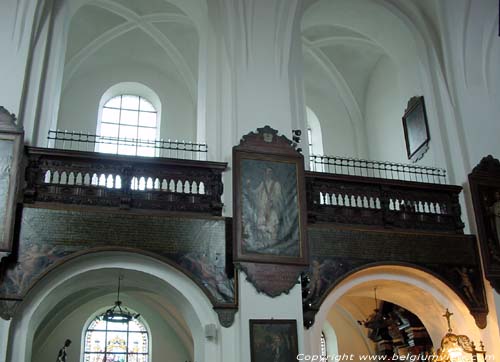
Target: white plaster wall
16 18
386 101
254 305
323 97
470 32
164 342
384 108
80 99
350 337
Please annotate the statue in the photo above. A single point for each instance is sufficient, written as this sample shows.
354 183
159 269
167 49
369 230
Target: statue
61 356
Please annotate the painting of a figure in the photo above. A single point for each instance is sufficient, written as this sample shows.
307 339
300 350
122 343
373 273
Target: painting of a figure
6 159
273 340
270 209
494 212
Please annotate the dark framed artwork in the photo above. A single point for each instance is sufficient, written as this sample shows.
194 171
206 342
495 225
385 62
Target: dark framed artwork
484 183
273 340
269 203
416 129
11 143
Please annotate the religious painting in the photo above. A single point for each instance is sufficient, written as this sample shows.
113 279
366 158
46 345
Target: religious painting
273 340
485 190
269 208
11 138
416 129
269 216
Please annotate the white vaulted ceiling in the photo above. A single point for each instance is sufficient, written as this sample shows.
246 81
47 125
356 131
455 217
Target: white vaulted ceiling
155 34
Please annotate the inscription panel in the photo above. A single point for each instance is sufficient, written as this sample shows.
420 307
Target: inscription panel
49 236
402 247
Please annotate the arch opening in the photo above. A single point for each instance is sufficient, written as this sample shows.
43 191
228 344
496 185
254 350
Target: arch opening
351 303
62 305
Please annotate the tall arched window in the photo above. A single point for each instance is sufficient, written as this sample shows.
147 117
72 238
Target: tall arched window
128 120
314 135
107 341
128 126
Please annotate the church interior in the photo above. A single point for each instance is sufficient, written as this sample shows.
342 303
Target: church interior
249 180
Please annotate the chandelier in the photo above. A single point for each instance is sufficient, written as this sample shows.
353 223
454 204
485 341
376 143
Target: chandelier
118 313
458 348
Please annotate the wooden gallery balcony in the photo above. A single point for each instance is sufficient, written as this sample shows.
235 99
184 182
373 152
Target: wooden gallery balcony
99 179
382 195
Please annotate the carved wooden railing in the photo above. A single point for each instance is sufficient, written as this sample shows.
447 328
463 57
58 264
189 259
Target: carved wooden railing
383 203
90 178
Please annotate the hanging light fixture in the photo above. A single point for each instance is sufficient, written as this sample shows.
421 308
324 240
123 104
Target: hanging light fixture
376 321
118 313
458 348
376 317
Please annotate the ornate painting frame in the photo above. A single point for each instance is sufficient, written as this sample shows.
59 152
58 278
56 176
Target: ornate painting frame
416 129
268 336
269 209
11 143
484 183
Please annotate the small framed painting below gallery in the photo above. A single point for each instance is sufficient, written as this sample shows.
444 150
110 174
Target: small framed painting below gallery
416 129
273 340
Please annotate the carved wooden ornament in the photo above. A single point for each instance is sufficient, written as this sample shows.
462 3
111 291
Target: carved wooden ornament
270 235
11 139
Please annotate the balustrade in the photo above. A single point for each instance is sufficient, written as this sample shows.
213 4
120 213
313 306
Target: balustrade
383 203
91 178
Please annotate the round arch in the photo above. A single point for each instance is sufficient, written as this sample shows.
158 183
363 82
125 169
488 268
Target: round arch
150 275
417 291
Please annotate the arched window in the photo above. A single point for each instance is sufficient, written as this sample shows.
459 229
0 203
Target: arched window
314 135
107 341
128 126
323 351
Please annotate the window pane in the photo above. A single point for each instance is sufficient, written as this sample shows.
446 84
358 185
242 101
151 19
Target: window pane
108 148
138 343
147 106
110 115
128 132
116 358
117 342
145 151
147 133
94 357
127 150
129 117
95 341
130 102
114 102
147 119
98 324
109 130
114 326
134 325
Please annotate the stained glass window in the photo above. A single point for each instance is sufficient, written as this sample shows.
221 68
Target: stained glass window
128 126
107 341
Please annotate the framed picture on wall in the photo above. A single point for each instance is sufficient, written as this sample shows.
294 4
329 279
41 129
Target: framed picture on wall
273 340
416 129
269 201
